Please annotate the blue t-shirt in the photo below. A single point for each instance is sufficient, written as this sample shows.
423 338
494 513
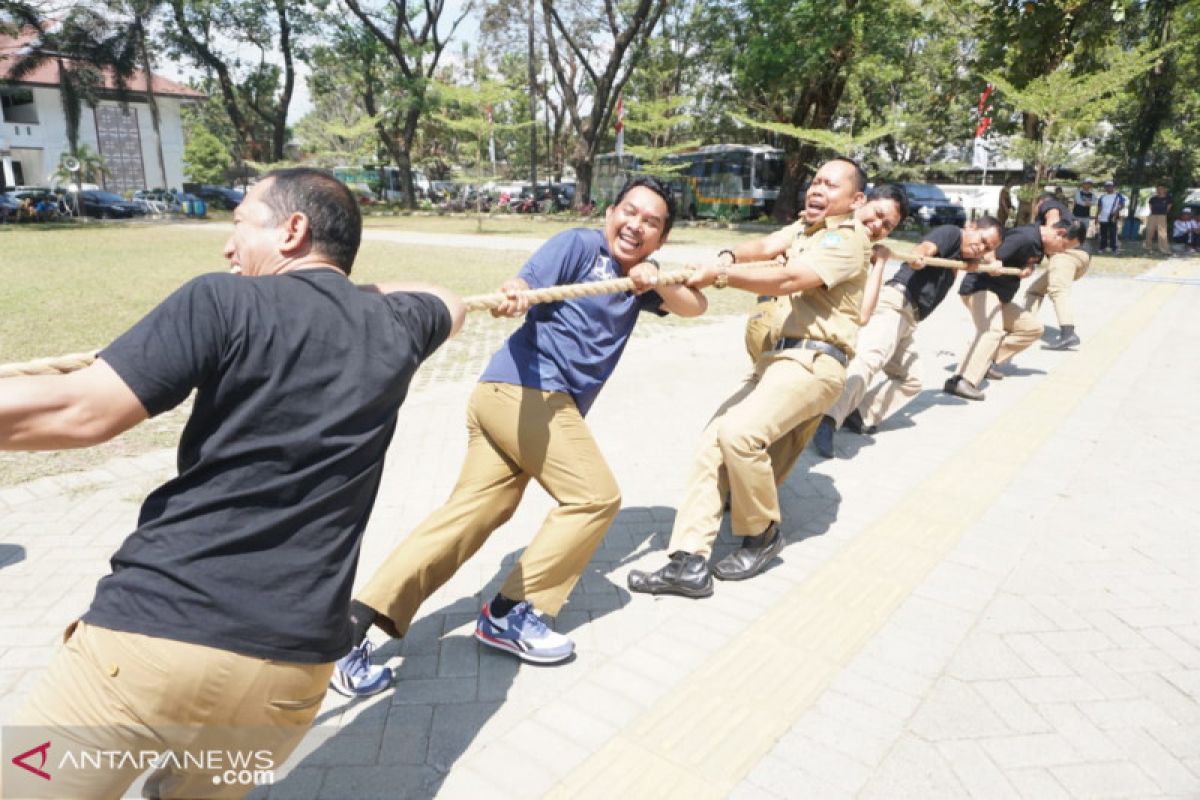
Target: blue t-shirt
572 346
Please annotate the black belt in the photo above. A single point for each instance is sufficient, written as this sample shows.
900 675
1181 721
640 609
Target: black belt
787 343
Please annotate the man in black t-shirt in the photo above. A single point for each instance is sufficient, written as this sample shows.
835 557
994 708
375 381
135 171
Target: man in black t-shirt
1003 328
227 606
885 343
1049 210
1156 222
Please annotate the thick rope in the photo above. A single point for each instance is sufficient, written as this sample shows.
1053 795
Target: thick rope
949 263
57 365
479 302
570 291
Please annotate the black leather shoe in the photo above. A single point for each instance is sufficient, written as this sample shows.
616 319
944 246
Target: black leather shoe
1064 342
961 387
823 438
685 574
752 557
854 423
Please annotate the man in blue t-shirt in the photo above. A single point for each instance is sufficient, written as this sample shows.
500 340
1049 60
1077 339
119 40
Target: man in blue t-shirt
525 422
226 608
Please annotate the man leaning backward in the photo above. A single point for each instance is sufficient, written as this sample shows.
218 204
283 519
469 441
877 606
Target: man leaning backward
794 381
525 421
226 608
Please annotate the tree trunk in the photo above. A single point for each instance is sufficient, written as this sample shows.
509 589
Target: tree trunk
582 161
152 101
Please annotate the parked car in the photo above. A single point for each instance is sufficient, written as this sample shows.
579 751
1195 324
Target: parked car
929 206
8 207
107 205
216 196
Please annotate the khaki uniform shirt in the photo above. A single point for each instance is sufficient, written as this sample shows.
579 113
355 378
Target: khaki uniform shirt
839 251
765 323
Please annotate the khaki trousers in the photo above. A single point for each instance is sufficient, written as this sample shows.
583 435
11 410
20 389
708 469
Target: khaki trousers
884 343
1001 331
1156 228
131 695
785 389
513 434
1056 281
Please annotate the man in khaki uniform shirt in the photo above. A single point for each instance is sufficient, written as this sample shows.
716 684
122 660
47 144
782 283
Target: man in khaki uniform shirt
1062 270
796 380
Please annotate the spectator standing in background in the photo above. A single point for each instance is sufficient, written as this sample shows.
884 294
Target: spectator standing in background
1108 214
1156 223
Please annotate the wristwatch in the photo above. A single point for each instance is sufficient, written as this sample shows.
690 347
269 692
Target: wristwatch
722 277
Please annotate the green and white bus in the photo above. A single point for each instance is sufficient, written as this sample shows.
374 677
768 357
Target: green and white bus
738 181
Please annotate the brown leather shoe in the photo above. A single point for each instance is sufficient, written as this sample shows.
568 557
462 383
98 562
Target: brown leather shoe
686 574
961 387
752 557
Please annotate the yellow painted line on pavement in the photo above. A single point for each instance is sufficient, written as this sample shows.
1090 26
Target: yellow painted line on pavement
706 734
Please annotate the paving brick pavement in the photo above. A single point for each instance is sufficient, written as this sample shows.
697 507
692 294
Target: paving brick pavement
1052 649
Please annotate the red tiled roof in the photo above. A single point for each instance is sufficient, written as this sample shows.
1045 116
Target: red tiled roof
46 74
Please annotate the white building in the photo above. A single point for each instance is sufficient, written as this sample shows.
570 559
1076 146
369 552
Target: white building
33 131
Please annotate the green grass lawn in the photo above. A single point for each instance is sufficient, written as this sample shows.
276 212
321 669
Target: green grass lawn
73 288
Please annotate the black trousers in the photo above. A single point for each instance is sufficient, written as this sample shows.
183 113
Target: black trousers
1108 235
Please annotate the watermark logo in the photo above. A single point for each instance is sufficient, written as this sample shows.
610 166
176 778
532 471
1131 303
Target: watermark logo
41 750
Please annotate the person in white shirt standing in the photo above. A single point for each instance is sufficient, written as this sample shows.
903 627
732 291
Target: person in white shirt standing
1108 214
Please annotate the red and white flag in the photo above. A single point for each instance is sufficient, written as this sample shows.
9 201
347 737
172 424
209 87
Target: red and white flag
620 126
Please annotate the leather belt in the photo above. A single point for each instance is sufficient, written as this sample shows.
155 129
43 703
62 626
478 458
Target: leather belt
836 353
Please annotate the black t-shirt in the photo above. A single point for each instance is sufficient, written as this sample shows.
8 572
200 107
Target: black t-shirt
1020 245
926 288
253 547
1064 215
1159 205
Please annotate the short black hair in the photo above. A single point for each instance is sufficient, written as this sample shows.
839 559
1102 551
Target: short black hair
659 188
987 221
860 174
1076 229
893 192
334 219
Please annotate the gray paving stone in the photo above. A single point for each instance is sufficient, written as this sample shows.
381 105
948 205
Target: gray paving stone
1036 784
406 735
953 710
426 691
914 770
1167 771
300 784
378 782
1030 750
980 776
1105 780
454 728
458 657
1011 707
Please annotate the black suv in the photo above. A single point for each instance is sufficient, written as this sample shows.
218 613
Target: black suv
215 196
929 206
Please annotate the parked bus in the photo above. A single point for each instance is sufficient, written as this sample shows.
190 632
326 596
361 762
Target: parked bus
382 183
735 180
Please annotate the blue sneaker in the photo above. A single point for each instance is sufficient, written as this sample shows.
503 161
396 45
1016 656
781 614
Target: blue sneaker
355 676
523 633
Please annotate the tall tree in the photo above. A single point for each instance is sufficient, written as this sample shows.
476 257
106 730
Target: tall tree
788 63
607 52
411 37
204 29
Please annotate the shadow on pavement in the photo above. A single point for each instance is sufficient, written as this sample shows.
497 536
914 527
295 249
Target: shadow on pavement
404 742
11 554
